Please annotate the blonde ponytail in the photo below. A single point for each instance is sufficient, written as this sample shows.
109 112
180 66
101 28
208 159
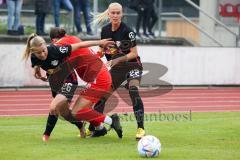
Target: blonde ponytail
33 42
27 52
103 17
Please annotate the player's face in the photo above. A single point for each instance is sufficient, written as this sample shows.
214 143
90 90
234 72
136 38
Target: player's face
115 14
41 52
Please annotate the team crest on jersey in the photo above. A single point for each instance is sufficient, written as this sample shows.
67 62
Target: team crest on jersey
132 36
63 49
54 63
118 43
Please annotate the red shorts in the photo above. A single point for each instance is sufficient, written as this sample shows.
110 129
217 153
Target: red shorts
100 87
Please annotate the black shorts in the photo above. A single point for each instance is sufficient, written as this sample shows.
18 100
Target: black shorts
67 90
66 86
125 72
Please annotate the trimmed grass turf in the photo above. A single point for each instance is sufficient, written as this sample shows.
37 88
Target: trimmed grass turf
206 136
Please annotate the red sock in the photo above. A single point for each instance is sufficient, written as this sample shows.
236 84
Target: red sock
90 115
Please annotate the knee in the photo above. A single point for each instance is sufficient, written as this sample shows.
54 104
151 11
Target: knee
133 92
53 109
135 97
62 111
74 111
133 89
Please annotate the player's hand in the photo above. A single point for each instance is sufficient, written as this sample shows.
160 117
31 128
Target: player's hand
106 42
45 79
112 63
37 74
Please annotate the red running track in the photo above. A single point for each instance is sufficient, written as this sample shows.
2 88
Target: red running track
36 102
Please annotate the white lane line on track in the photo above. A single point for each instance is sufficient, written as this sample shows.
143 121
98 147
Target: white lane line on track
123 103
160 101
24 104
119 108
22 115
17 99
141 89
166 94
121 112
26 99
14 110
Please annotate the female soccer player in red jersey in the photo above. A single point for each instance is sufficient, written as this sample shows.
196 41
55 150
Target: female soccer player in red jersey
50 58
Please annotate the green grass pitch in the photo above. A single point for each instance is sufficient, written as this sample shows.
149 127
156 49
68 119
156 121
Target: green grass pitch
203 136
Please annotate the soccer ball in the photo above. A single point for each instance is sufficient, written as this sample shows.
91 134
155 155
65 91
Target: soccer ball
149 146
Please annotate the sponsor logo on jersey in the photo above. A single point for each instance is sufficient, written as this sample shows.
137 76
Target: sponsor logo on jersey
54 63
126 45
52 71
118 43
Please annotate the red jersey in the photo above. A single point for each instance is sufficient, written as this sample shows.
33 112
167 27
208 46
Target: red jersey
90 68
86 63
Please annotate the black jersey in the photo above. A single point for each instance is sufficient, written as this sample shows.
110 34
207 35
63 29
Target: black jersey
55 57
125 39
57 70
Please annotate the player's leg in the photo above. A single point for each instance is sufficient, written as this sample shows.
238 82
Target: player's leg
138 107
60 106
99 107
118 77
51 122
82 111
82 108
62 99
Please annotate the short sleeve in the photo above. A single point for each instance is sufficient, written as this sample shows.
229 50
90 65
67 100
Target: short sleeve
132 37
103 33
34 61
63 51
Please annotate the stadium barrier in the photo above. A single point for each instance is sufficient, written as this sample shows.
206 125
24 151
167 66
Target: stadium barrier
175 65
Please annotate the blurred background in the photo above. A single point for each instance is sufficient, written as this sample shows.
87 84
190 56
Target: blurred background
197 22
195 41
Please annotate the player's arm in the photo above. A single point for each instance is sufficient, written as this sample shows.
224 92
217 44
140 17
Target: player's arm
102 42
131 55
101 50
37 73
131 36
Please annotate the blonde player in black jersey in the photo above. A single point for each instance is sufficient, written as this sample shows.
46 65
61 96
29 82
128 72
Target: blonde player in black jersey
123 59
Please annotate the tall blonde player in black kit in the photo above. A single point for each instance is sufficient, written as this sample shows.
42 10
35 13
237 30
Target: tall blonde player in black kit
123 59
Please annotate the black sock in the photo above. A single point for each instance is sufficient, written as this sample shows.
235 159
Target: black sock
137 106
99 106
67 115
78 124
51 122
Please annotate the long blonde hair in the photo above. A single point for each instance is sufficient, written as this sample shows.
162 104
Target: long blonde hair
34 41
103 17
